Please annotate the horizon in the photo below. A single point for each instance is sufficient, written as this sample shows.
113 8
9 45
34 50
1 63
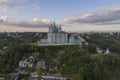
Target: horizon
74 15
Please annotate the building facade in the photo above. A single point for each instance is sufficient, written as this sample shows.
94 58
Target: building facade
56 35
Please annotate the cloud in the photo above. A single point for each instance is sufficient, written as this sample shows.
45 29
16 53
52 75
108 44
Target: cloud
3 19
36 20
103 16
7 5
15 5
35 23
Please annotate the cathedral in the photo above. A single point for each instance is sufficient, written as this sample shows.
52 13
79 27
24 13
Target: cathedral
56 35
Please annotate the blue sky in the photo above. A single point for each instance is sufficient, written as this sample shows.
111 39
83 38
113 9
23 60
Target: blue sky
74 15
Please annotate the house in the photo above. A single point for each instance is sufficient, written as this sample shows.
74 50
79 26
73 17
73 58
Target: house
55 78
40 64
23 63
107 51
53 68
27 62
5 47
31 61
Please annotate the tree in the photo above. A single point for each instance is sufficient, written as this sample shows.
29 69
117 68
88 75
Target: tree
77 77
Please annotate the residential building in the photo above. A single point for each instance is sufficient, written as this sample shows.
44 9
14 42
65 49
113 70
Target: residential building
107 51
26 62
55 78
40 64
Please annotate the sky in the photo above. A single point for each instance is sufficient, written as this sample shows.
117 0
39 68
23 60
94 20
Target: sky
73 15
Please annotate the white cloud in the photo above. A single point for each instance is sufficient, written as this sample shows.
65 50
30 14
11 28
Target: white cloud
7 5
3 19
45 21
99 16
36 20
35 23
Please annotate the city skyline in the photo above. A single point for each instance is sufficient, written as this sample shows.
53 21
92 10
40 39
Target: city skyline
73 15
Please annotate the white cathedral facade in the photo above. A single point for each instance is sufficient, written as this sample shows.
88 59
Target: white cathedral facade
56 35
